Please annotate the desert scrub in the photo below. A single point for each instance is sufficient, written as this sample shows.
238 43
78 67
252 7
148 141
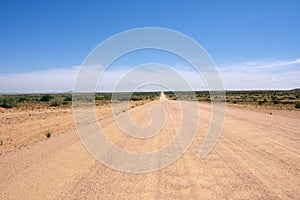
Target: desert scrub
136 99
55 103
261 103
46 98
7 102
22 99
68 98
297 105
275 101
48 134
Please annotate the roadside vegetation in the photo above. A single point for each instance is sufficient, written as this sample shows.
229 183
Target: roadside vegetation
46 98
65 100
8 102
280 98
55 102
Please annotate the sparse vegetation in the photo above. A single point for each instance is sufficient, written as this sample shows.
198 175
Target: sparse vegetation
134 98
46 98
48 134
103 96
55 103
68 98
7 102
275 101
22 99
282 99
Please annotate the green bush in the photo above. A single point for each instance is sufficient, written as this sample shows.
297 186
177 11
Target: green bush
55 103
7 102
275 101
68 98
99 98
261 102
48 134
22 99
136 99
297 105
46 98
291 97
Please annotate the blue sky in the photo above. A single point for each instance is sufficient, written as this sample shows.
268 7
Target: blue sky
244 38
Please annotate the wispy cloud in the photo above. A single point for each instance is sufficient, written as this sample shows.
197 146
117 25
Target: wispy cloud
261 74
275 74
50 80
63 79
262 66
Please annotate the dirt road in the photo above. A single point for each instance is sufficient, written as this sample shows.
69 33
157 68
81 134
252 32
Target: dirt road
257 157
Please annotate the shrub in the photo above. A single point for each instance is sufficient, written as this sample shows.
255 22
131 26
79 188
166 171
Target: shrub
1 142
291 97
260 102
48 134
55 103
136 98
68 98
297 105
275 101
46 98
99 98
7 102
124 98
22 99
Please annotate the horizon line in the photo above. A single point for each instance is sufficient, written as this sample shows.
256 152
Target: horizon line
96 92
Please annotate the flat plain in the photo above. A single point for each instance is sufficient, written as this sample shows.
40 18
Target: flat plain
256 157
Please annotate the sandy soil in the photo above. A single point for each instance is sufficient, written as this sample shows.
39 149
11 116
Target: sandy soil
257 157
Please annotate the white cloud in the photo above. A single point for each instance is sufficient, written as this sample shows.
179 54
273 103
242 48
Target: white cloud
157 77
261 65
63 79
275 74
278 74
51 80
